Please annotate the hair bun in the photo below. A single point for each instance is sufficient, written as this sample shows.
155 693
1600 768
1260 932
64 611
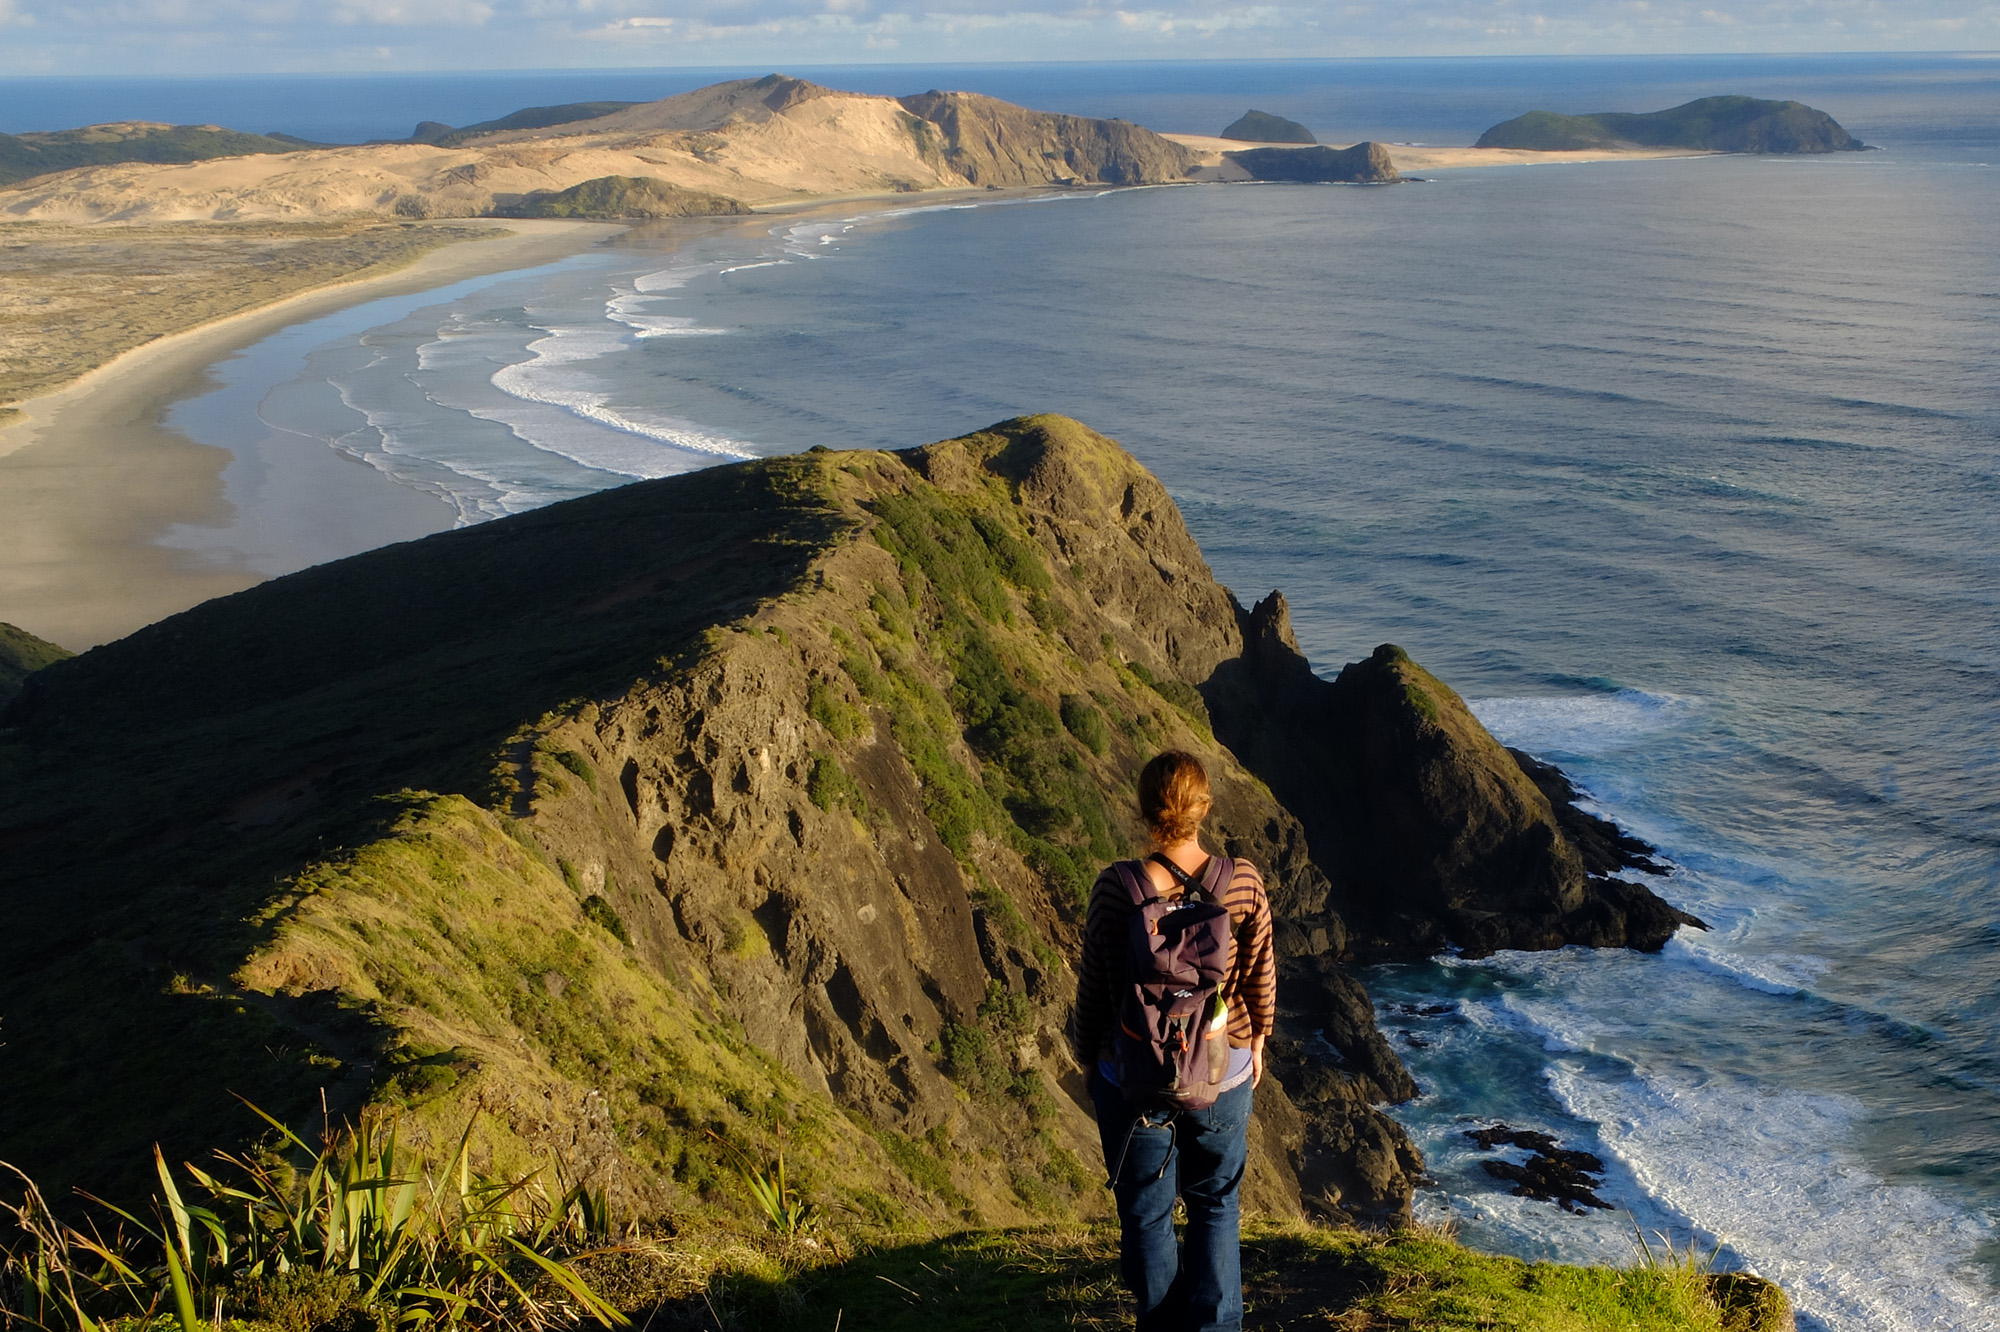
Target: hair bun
1174 796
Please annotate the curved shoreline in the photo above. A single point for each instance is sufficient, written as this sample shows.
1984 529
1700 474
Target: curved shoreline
91 478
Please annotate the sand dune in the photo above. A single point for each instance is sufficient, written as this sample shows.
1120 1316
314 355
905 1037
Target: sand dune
724 141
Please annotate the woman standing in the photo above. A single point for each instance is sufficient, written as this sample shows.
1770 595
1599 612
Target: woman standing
1154 1155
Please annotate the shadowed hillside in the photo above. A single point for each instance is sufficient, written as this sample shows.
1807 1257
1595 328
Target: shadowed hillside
765 795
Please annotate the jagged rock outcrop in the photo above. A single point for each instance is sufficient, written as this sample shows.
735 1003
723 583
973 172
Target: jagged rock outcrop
1435 835
766 794
1361 164
991 142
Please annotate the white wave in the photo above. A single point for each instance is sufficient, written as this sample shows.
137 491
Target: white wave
1771 1173
669 279
1770 973
626 309
487 496
542 379
1581 724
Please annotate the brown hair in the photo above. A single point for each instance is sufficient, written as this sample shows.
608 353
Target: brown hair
1173 795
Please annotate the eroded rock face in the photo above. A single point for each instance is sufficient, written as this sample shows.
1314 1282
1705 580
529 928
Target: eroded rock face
991 142
1432 833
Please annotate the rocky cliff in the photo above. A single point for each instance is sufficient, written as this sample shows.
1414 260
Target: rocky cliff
764 796
990 142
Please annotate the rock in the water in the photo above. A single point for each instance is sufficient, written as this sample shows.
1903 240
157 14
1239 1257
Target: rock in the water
1263 127
1363 164
1569 1179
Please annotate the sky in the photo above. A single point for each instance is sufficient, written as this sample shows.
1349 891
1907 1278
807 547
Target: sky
208 37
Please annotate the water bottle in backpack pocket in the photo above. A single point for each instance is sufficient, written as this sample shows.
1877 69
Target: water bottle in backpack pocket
1171 1044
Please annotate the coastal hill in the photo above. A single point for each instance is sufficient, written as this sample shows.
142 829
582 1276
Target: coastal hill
38 154
1262 127
747 142
21 655
767 795
1710 124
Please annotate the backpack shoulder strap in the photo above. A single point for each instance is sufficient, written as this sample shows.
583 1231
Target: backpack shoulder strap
1137 886
1221 872
1203 885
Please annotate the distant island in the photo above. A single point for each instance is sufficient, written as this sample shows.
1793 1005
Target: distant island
1263 127
1709 124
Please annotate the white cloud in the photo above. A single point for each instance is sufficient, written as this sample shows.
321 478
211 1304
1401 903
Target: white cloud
413 13
197 36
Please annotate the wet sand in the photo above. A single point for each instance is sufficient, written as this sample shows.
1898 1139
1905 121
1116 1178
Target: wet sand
92 480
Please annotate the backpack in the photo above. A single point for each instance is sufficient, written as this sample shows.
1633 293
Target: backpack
1171 1043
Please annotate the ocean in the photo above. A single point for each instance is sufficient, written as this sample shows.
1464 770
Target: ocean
1685 473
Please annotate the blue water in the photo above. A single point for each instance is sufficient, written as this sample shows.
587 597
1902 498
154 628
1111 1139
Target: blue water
1445 100
1685 473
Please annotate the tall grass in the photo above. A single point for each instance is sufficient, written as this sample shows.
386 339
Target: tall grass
369 1230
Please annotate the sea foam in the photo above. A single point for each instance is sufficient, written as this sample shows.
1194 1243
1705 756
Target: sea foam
1582 724
1772 1174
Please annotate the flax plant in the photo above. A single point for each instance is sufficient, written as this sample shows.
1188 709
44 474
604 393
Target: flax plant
458 1249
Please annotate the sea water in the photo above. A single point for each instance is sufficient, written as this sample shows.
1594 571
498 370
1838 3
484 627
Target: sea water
1686 474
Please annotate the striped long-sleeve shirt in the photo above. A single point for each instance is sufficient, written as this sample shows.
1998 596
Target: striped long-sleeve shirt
1250 989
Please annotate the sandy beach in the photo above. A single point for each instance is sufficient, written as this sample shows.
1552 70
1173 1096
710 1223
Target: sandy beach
91 479
97 491
1429 157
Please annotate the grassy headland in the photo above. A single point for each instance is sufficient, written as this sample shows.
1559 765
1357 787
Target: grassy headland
748 812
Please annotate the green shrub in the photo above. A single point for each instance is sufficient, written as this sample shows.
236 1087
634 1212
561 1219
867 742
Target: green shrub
577 764
1006 1011
827 785
974 1060
596 909
830 710
920 1167
1082 720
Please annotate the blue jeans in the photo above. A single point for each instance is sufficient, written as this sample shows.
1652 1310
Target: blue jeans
1198 1155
